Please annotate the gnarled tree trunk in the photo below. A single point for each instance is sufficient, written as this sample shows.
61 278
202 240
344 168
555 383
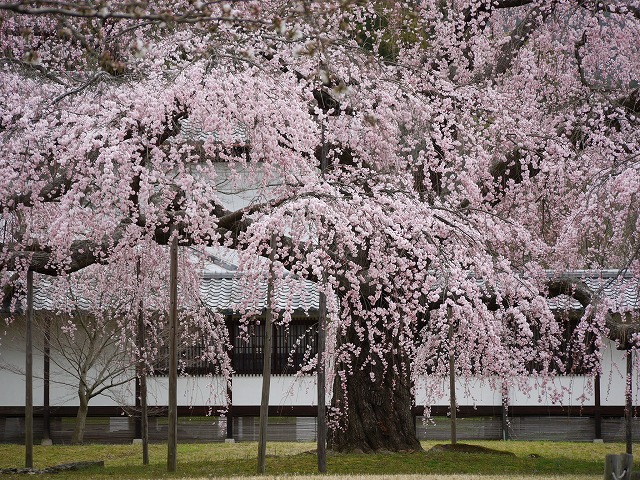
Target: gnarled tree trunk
378 413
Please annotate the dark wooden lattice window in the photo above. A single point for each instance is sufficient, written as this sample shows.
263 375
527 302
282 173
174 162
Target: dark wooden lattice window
293 346
247 349
569 352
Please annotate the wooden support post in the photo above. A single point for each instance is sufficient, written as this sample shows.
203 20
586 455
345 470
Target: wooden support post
597 403
452 398
505 412
173 357
618 467
46 419
452 388
322 420
141 378
628 411
266 366
144 414
28 399
137 430
229 438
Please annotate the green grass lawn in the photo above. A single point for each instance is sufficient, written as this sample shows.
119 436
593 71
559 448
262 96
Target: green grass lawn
532 459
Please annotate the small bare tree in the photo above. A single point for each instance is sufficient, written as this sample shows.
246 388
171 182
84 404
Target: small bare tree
91 355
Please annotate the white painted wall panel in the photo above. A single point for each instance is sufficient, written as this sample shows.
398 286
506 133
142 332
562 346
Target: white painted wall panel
288 390
285 390
191 391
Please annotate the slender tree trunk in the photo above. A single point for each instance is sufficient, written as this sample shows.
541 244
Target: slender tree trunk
378 412
81 418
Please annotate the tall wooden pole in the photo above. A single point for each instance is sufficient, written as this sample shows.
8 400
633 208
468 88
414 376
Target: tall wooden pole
452 387
452 398
322 420
505 407
266 367
28 399
142 375
173 357
597 417
46 420
229 439
628 414
322 328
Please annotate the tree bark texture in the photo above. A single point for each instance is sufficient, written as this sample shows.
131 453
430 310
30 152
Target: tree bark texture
378 412
81 419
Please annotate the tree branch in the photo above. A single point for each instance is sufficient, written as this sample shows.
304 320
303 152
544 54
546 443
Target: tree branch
49 193
88 10
520 35
620 9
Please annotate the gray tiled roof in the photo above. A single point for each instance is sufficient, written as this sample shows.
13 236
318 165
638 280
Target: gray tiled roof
225 292
44 298
620 292
193 131
222 292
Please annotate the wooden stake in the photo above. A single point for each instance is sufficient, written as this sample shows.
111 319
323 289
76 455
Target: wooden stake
322 328
173 357
46 420
597 417
28 399
322 421
618 467
628 412
452 388
266 367
505 407
142 375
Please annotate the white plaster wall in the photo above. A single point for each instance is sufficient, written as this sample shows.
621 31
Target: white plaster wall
191 391
245 188
566 391
12 362
433 391
290 391
613 379
247 389
574 390
285 390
